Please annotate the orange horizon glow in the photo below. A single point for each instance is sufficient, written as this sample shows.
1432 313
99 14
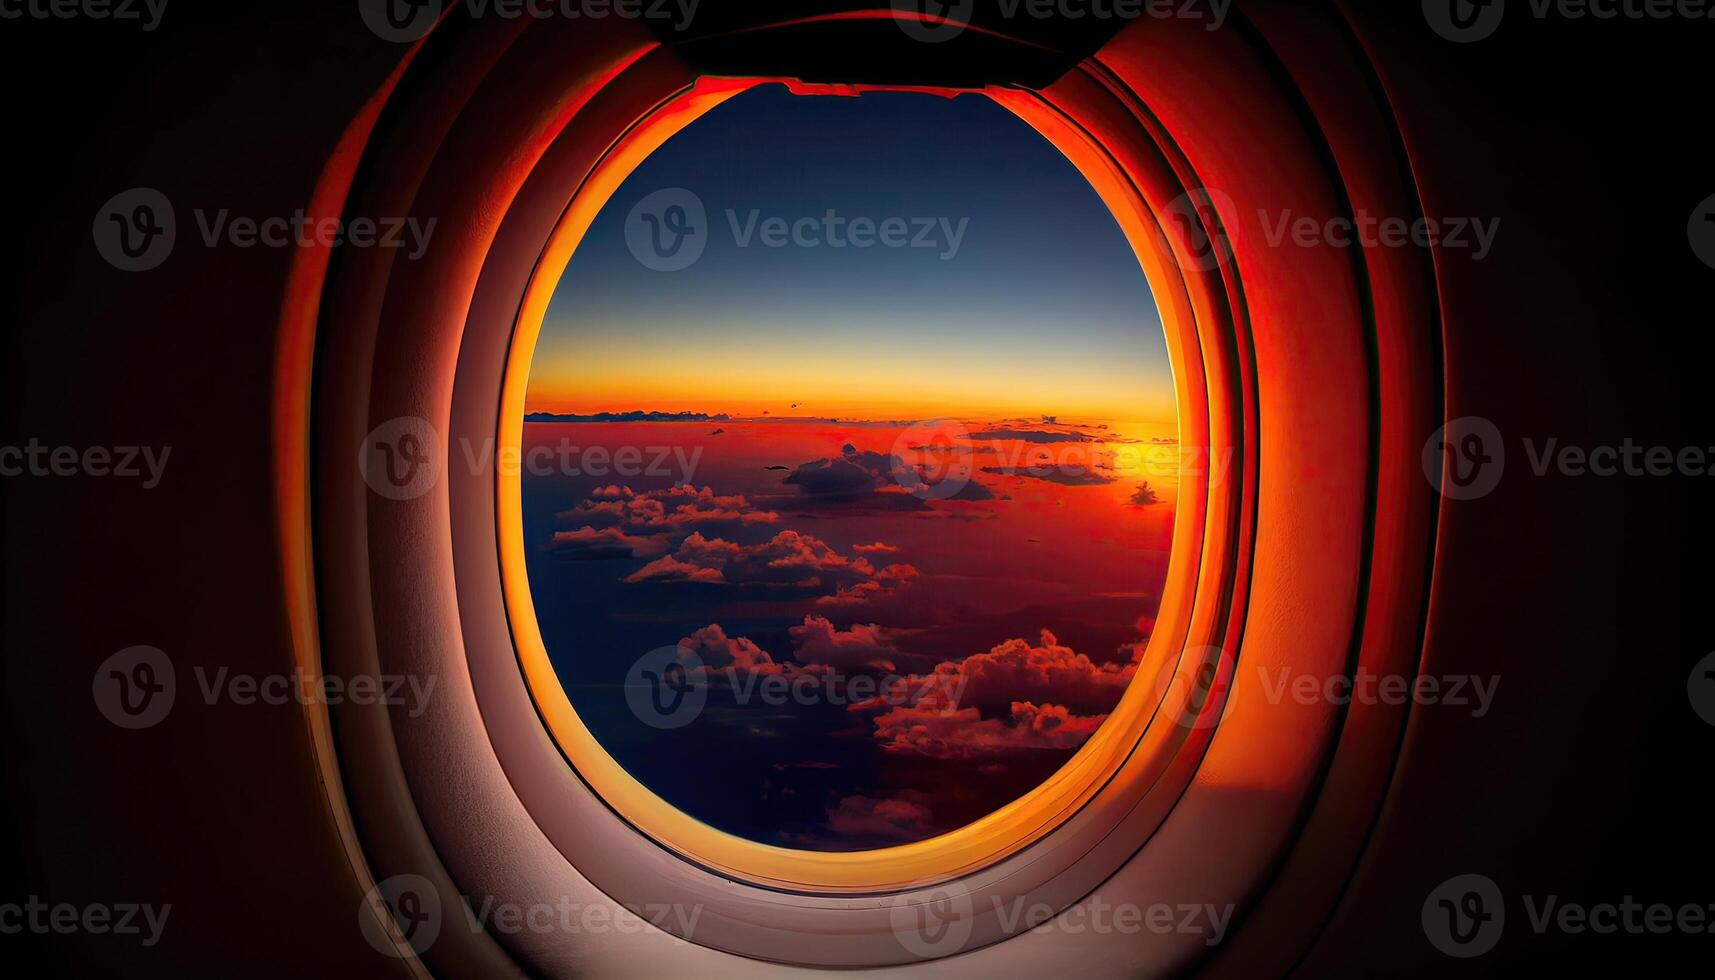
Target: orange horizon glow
751 389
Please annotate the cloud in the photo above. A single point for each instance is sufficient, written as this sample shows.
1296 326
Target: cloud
1067 474
592 544
674 511
817 641
877 548
632 416
790 560
886 583
929 730
904 818
670 569
1030 435
720 652
871 479
837 478
1016 697
1016 670
818 647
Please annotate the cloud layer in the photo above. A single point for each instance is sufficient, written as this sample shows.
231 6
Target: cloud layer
618 522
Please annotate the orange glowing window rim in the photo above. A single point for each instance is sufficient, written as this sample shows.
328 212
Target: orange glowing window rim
1129 732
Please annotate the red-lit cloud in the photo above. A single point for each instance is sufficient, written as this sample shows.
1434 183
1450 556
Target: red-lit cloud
1016 670
865 479
999 701
720 652
790 559
676 510
929 729
904 818
817 641
590 544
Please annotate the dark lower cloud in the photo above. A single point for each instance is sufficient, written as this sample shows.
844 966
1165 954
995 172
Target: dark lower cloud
675 510
865 479
1017 697
603 544
1030 435
790 560
1066 475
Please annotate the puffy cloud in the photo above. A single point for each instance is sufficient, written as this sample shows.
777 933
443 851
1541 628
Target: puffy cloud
904 818
1030 435
720 652
856 595
592 544
670 569
818 648
1054 724
673 511
1065 474
817 641
1015 697
871 479
790 559
845 477
929 729
1016 670
885 583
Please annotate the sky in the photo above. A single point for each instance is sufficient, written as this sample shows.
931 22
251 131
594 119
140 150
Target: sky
1040 308
945 473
